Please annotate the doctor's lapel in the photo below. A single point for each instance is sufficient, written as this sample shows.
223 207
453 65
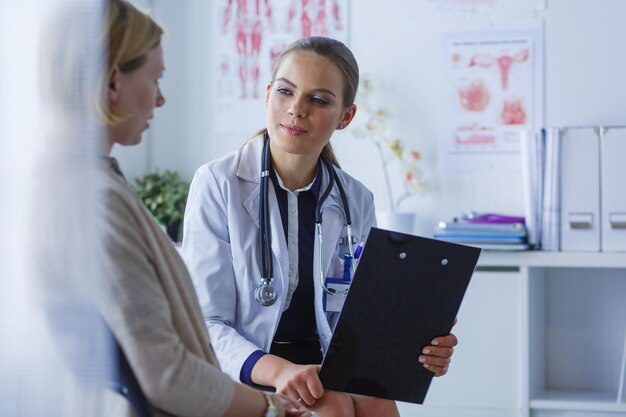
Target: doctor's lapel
249 169
279 246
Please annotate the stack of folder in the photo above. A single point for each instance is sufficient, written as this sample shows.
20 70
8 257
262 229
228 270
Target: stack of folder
487 231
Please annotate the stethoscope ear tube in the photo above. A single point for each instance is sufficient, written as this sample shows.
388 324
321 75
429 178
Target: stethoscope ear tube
265 293
331 183
333 178
344 199
267 237
346 209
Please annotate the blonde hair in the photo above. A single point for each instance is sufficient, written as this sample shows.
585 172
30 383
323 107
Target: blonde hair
130 34
337 53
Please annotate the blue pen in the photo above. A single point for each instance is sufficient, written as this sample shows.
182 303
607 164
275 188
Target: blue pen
358 251
347 266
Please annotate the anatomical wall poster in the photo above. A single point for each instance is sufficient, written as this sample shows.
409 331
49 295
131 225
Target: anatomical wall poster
491 84
250 35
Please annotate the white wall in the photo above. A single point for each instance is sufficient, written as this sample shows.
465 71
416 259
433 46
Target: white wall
584 63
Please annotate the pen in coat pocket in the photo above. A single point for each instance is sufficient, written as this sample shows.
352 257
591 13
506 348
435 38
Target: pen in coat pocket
358 251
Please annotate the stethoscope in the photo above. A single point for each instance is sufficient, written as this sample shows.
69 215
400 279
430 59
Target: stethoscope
266 293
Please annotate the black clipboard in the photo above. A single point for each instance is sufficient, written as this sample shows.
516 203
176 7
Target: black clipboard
406 291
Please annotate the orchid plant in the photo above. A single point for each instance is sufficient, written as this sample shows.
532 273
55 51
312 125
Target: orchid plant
391 149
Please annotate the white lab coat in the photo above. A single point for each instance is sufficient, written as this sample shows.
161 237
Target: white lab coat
220 248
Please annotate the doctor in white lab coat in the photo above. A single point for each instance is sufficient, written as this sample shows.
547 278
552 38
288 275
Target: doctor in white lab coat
310 96
220 247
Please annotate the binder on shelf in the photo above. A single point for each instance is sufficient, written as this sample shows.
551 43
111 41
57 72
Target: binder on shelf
550 229
621 390
532 155
613 174
580 190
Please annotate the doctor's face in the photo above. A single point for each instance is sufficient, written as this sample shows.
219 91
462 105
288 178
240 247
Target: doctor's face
305 104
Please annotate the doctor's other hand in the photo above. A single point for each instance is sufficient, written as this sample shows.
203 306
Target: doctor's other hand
290 408
436 357
300 383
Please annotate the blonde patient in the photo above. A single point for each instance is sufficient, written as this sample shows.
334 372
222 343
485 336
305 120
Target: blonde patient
153 310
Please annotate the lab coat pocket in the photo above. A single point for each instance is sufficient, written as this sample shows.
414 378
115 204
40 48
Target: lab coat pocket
343 248
336 266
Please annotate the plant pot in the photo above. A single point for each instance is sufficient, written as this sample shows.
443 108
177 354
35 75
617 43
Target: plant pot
395 221
174 231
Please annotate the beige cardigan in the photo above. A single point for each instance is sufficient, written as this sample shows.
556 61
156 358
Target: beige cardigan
154 312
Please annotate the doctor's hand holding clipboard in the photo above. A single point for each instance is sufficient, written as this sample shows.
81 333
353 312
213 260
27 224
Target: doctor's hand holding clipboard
268 229
302 381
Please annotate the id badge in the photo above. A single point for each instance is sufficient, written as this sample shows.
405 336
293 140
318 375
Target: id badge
333 303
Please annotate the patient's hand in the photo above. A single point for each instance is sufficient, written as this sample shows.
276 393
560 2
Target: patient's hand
290 408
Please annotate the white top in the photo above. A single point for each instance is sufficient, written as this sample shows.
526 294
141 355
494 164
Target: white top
292 235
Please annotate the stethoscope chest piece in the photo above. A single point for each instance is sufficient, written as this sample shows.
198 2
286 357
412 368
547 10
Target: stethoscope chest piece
266 294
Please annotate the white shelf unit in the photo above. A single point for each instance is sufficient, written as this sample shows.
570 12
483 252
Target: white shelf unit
542 334
553 259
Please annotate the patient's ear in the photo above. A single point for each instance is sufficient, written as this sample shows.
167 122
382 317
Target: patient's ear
114 84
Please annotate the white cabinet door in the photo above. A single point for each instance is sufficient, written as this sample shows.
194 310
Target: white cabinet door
485 377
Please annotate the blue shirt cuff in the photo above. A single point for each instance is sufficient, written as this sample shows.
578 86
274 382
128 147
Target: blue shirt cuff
246 370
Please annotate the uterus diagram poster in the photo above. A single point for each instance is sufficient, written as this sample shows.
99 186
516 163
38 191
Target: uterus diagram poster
250 35
492 85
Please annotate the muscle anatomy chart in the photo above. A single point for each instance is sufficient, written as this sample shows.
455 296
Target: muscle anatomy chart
492 87
252 34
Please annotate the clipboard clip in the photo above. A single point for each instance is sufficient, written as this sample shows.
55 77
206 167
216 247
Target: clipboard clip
398 238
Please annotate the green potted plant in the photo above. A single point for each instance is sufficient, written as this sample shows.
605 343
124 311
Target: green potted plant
165 195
